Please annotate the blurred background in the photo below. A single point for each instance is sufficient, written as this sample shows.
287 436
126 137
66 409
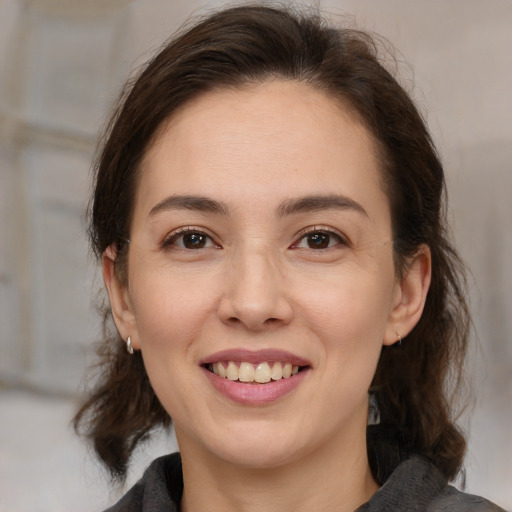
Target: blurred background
62 63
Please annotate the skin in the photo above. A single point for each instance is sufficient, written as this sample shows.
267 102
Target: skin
259 283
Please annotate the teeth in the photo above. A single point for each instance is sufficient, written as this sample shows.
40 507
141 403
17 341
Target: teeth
246 372
277 371
232 371
222 372
262 373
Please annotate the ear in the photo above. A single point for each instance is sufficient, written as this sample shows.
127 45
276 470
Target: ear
409 296
122 310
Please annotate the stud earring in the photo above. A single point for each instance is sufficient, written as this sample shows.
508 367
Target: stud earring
129 347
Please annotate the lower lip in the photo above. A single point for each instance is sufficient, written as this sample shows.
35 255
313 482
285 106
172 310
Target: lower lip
254 393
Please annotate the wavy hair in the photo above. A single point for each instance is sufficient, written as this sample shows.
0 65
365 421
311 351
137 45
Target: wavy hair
414 383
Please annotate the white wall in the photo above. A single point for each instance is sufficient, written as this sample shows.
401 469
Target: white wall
61 62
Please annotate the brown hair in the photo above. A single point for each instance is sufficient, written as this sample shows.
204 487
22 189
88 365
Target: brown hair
250 44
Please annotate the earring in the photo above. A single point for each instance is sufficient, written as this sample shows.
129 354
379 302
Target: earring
129 347
399 340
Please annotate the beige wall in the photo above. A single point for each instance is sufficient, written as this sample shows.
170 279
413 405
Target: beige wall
60 65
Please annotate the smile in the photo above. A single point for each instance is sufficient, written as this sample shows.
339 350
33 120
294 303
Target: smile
247 372
255 378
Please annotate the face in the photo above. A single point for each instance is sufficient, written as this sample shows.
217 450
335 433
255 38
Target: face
261 247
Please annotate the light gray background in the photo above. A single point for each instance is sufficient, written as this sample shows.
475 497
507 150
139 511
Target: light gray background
61 64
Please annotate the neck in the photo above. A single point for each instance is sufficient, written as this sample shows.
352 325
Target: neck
321 481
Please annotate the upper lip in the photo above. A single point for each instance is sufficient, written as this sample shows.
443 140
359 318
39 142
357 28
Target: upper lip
256 357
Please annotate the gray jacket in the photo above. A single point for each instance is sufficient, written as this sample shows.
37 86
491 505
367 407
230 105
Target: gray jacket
416 485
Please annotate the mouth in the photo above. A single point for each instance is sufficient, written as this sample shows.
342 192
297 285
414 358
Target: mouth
254 373
255 378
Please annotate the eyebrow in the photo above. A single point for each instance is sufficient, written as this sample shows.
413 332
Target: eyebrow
189 202
288 207
319 202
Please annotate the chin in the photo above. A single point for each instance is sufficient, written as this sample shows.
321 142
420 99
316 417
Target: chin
259 446
260 457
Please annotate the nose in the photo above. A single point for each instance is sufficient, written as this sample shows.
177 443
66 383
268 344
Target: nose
254 295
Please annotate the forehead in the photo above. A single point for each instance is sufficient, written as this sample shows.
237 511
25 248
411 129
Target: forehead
261 140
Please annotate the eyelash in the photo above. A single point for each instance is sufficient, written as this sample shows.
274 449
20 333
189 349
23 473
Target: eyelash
171 239
320 230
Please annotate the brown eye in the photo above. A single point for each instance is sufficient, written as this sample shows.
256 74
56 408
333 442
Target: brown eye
194 240
189 239
318 240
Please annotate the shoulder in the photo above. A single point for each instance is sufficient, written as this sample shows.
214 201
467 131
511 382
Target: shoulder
453 500
158 490
417 484
427 482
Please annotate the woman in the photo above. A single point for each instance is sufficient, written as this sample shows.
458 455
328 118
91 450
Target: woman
269 214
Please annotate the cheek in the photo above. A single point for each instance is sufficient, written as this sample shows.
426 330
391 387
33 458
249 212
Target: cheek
171 313
349 306
171 309
349 314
